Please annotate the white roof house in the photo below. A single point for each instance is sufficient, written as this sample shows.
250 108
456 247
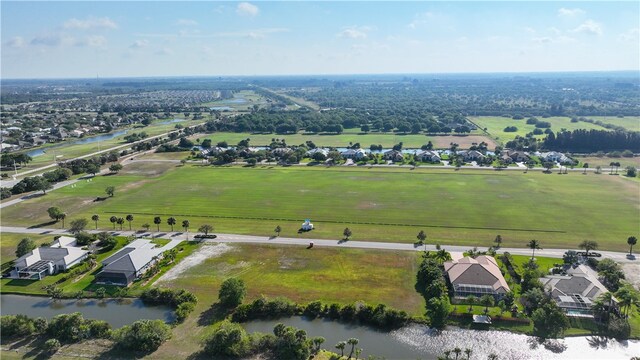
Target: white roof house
42 261
575 291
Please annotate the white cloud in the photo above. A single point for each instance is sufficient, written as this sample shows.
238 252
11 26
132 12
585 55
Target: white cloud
421 19
253 34
246 9
550 39
139 44
47 40
92 41
90 23
164 51
630 35
16 42
354 32
589 27
186 22
564 12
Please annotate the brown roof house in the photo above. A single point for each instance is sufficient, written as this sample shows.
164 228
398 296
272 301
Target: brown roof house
478 277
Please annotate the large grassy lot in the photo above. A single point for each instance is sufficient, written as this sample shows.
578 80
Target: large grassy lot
10 242
387 140
495 126
392 204
302 275
628 122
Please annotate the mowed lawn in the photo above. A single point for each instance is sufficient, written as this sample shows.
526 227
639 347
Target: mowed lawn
495 126
628 122
454 207
10 242
387 140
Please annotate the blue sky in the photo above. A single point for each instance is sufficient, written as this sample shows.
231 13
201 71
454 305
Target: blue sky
150 38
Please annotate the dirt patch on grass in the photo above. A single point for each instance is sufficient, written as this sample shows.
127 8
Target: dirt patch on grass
196 258
632 273
464 142
148 168
134 185
367 205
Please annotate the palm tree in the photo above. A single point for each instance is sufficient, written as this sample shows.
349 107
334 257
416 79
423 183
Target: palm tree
120 222
129 219
442 255
487 300
353 342
95 218
62 217
157 221
277 230
457 351
340 346
534 245
626 298
632 240
617 165
146 226
471 299
611 169
113 220
185 226
171 221
468 352
607 299
585 166
205 229
447 354
492 357
347 233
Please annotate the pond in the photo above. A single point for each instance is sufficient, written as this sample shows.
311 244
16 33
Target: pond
116 312
86 140
420 342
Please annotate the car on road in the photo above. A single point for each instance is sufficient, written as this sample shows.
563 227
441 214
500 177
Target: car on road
588 254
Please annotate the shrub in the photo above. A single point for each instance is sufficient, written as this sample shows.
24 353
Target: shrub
142 335
51 346
228 340
510 129
16 325
183 310
231 293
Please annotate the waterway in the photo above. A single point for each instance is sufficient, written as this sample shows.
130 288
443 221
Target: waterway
420 342
117 312
86 140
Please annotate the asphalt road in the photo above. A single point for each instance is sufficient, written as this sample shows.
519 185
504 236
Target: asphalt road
250 239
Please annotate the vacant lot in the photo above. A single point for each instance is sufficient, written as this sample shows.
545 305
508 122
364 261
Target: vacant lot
10 242
387 140
604 161
332 275
453 207
495 126
628 122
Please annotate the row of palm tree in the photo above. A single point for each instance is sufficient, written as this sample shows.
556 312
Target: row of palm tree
353 342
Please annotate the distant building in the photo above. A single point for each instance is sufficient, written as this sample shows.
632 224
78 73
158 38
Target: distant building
429 156
478 277
393 155
40 262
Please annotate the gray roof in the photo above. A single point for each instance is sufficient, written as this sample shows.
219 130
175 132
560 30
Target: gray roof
133 257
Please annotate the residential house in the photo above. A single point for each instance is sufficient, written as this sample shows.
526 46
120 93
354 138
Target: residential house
429 156
40 262
393 155
576 291
322 151
129 263
518 156
478 277
555 157
281 151
356 154
470 155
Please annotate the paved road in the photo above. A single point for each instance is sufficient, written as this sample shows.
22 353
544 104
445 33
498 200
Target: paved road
250 239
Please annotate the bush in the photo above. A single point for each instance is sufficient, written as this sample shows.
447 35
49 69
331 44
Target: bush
51 346
16 325
142 335
183 310
510 129
73 327
231 293
228 340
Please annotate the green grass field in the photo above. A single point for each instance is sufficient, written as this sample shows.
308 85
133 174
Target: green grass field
628 122
456 207
10 242
495 126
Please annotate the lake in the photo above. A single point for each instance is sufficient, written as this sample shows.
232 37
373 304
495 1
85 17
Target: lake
420 342
114 311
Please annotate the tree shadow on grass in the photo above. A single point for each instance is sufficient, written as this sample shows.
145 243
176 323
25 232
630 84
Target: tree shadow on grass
213 314
115 353
42 224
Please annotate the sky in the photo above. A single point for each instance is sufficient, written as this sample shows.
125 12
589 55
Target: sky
80 39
